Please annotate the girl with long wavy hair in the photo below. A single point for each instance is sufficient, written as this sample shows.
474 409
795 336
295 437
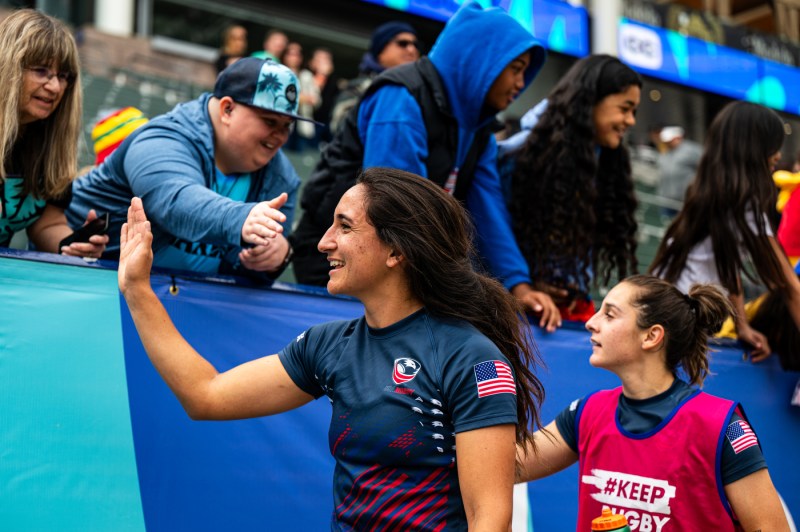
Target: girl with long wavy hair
725 222
657 446
430 389
569 183
40 116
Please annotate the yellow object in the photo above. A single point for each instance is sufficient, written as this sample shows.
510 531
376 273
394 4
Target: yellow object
609 521
113 129
729 327
786 182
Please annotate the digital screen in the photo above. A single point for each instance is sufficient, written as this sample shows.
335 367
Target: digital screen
557 25
778 86
668 55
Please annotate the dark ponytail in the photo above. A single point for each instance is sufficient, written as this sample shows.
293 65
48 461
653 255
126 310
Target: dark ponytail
688 320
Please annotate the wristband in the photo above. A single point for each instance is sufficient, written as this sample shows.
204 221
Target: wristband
289 256
286 260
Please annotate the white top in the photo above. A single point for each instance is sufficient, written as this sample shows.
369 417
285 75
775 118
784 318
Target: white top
700 266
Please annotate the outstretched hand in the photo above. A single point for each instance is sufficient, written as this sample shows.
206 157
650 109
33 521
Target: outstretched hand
136 249
264 221
760 346
540 304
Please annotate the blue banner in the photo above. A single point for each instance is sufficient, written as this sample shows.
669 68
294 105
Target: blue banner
94 440
556 24
692 62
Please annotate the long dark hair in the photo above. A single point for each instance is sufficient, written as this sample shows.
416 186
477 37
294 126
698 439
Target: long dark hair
573 211
688 320
732 191
434 235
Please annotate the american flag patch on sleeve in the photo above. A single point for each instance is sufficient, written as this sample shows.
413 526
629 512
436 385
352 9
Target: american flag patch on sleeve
493 377
741 436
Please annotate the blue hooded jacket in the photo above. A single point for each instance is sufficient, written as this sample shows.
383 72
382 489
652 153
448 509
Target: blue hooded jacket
169 163
475 46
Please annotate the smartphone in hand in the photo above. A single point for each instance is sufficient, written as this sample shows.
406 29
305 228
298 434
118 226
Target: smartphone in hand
98 226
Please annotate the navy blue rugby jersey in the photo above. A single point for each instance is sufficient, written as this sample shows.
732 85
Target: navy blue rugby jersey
399 396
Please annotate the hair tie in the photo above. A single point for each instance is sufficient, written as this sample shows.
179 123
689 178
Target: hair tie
693 303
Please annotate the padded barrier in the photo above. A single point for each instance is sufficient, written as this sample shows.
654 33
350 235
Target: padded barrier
94 440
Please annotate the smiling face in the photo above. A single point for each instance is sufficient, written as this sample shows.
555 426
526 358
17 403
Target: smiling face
251 138
40 96
359 259
614 114
509 83
616 338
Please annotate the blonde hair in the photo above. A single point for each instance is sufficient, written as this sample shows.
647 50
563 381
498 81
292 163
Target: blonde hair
45 150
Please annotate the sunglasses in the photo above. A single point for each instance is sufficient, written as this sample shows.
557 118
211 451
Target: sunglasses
405 43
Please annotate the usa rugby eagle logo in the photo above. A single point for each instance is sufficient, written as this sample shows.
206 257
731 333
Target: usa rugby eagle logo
405 369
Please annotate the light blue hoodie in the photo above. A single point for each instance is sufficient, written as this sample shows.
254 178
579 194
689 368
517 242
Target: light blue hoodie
473 49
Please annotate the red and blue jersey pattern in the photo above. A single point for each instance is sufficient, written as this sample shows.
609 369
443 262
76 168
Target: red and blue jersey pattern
399 397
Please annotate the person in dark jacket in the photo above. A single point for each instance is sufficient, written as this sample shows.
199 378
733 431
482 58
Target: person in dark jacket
434 118
392 44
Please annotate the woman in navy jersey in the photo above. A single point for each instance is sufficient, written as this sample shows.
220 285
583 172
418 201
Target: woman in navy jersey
430 389
657 449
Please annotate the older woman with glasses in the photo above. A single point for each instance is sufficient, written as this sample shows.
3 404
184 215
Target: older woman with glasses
39 133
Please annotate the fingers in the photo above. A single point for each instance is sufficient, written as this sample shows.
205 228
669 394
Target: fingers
83 250
138 210
760 346
92 215
261 231
93 249
280 201
123 235
761 350
269 209
560 293
136 225
259 251
760 356
541 302
264 258
264 222
551 317
553 291
99 240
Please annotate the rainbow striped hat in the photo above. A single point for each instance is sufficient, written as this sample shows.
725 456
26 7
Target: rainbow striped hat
109 132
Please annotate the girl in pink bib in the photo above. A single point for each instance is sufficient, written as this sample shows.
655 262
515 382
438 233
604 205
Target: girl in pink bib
657 449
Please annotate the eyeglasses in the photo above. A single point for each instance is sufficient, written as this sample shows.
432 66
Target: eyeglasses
405 43
44 75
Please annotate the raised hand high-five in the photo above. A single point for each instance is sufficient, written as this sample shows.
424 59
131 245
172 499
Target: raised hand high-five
136 249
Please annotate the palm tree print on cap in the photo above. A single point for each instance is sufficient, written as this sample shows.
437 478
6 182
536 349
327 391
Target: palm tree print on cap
276 89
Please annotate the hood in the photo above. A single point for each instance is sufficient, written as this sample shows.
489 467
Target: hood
474 47
192 120
369 65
